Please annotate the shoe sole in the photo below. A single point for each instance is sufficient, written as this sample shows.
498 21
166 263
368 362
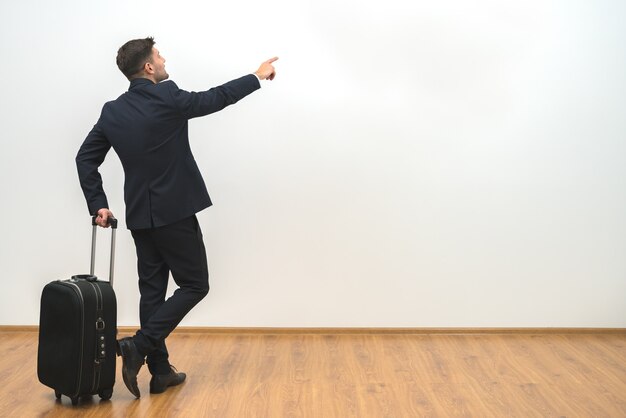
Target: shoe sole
130 384
152 390
159 390
155 391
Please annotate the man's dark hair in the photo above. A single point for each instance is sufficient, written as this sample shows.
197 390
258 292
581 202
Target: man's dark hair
132 56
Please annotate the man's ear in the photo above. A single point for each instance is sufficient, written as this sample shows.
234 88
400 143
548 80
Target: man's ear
147 67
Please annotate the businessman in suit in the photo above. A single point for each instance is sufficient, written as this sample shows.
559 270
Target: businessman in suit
163 190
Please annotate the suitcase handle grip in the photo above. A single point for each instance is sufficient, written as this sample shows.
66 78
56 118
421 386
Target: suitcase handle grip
88 277
110 221
113 222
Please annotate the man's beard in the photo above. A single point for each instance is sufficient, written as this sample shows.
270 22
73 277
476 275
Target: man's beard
163 76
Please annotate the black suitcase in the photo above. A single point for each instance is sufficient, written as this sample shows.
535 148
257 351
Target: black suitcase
77 333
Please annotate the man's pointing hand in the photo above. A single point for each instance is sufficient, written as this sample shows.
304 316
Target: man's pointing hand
266 71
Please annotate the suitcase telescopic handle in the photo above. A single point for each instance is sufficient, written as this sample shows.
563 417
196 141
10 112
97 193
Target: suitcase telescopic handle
113 222
110 221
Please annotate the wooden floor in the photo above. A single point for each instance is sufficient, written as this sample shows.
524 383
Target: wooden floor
350 376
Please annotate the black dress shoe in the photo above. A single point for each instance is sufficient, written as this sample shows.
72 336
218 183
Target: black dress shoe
132 361
160 382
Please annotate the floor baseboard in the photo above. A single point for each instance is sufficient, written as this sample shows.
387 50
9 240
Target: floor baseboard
358 330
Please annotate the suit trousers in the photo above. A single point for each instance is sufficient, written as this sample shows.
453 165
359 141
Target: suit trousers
177 248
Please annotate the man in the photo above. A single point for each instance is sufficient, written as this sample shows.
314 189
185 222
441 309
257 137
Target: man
163 190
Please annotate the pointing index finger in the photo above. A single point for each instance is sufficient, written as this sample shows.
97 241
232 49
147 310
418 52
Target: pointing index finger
271 60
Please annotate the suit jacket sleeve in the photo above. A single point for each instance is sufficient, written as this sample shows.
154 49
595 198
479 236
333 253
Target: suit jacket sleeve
194 104
90 156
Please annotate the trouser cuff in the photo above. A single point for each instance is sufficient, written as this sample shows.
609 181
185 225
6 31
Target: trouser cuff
144 345
159 368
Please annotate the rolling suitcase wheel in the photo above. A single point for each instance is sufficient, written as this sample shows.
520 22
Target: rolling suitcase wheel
74 400
105 394
57 394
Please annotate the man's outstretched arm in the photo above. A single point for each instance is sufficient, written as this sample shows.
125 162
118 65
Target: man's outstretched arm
195 104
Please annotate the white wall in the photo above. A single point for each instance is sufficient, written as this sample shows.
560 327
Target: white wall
414 163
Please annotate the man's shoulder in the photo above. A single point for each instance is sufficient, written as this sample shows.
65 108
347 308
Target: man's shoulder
167 84
166 89
159 88
114 104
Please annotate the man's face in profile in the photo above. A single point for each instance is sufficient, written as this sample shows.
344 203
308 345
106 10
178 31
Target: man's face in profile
158 63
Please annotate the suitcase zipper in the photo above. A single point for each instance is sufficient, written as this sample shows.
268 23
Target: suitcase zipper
99 308
82 328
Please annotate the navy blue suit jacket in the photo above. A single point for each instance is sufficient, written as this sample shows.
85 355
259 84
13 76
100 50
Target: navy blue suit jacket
147 128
